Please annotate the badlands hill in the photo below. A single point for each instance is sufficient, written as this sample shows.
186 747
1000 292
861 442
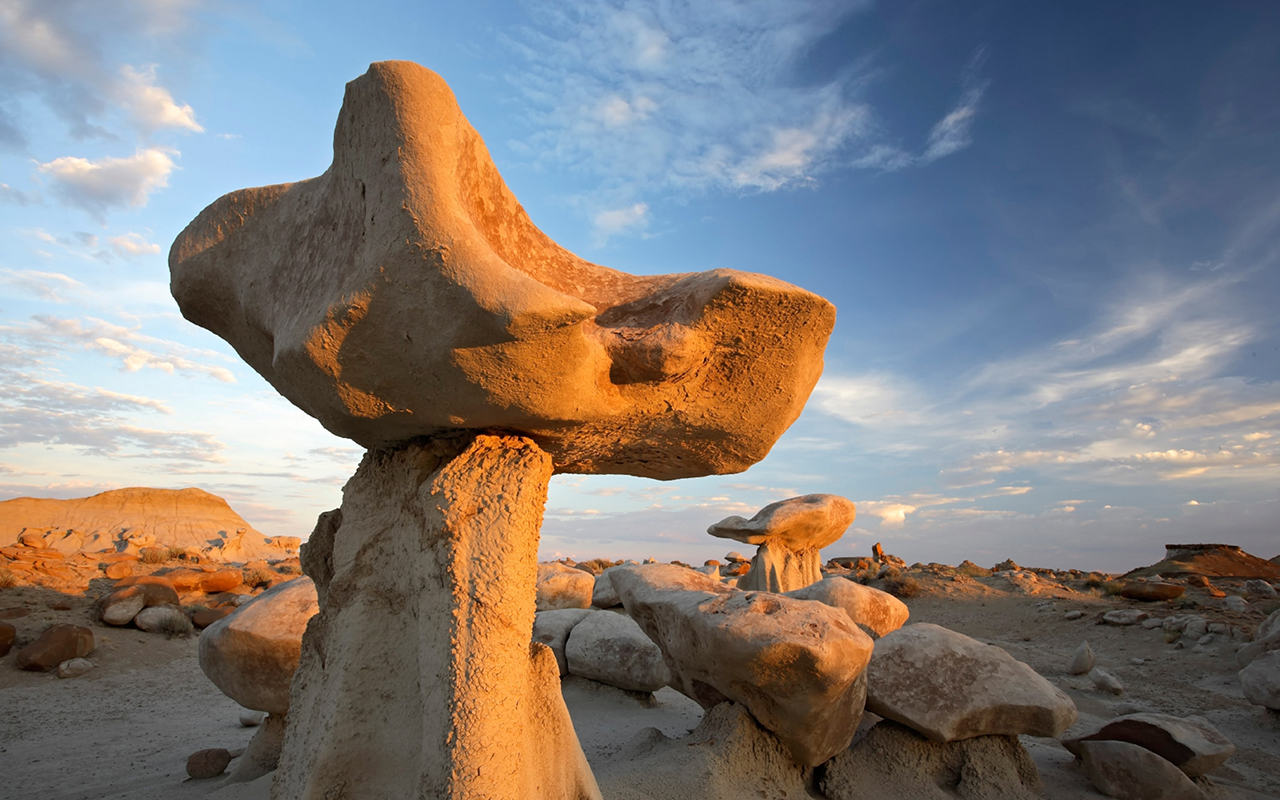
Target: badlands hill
126 520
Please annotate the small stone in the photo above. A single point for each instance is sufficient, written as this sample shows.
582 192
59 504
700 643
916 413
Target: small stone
1260 588
252 719
1105 681
1082 660
1124 616
74 668
61 642
1151 591
1192 744
1261 680
1235 603
1128 772
1073 614
208 763
1151 623
1195 628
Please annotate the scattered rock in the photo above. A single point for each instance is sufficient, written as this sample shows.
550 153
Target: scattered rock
252 719
1082 660
552 629
1191 744
118 570
1261 680
1260 588
121 606
603 595
1151 591
893 761
1129 772
789 534
74 667
876 612
163 619
734 557
948 686
207 616
564 587
1073 614
1124 616
1235 603
7 634
252 654
208 763
1195 627
796 665
61 642
224 580
612 649
1106 681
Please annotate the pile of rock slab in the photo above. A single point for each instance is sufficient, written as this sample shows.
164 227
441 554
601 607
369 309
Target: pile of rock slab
796 665
789 534
1192 744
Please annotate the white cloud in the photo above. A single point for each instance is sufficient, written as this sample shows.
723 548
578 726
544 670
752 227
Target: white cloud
151 106
133 244
953 132
8 194
619 220
45 285
97 186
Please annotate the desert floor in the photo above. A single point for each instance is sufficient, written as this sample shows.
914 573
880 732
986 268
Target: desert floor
125 729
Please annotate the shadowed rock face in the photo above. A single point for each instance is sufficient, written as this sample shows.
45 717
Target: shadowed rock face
405 293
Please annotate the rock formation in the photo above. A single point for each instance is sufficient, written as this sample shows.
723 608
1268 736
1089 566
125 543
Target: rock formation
789 534
561 586
876 612
1191 744
612 649
1130 772
129 519
405 300
405 293
1209 560
795 664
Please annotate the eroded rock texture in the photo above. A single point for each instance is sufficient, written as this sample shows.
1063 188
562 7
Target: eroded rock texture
790 534
405 293
417 677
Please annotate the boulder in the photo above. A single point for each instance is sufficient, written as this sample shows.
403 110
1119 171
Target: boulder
1191 744
74 668
560 586
118 570
163 619
1265 639
1082 660
207 616
1260 588
1235 603
795 664
251 655
1151 591
122 605
949 687
224 580
185 580
893 761
876 612
7 634
603 595
1261 680
433 304
611 648
59 643
789 534
1124 616
552 629
1129 772
208 763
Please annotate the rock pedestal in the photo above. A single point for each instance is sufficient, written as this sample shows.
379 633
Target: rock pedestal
790 534
417 676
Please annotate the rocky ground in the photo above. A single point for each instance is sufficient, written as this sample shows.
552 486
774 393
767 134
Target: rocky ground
125 728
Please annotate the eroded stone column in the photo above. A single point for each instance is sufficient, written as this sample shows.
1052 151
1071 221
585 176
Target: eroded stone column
417 677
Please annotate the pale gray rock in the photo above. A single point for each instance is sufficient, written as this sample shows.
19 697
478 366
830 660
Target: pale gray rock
1195 627
1106 681
1235 602
561 586
876 612
611 648
734 557
1082 660
1128 772
1261 680
790 533
1266 639
1192 744
252 719
796 665
552 629
1260 588
120 612
163 619
1151 623
1124 616
948 686
74 668
1073 614
603 595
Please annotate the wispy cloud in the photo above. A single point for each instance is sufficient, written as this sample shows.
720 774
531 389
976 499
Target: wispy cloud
8 194
617 220
49 286
97 186
133 244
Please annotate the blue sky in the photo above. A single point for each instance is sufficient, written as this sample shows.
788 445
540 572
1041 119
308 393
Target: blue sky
1051 231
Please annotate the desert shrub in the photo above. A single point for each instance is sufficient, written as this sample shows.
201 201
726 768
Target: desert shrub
597 565
902 586
176 625
289 569
176 553
1111 588
1094 582
7 578
153 555
258 577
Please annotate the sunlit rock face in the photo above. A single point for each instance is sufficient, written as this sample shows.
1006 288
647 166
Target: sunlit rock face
405 293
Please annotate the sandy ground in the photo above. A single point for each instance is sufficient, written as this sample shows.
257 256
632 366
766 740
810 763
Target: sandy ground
125 729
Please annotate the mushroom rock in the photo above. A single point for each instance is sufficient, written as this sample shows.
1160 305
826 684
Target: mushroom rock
406 293
789 534
405 300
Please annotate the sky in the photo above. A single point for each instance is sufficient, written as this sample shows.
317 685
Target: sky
1051 231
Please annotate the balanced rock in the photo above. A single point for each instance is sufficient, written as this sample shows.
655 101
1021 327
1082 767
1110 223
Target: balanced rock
796 665
433 304
552 628
1151 591
611 648
948 687
1130 772
1261 680
603 595
876 612
561 586
252 654
1082 660
59 643
1191 744
789 534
